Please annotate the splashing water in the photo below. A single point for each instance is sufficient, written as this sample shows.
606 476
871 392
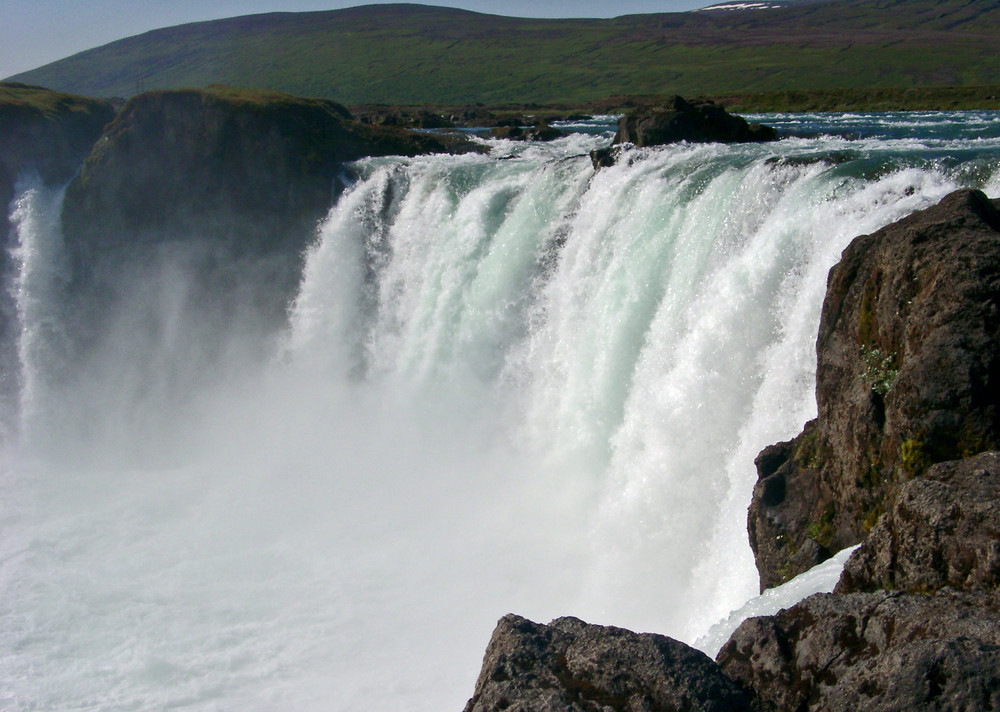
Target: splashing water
508 383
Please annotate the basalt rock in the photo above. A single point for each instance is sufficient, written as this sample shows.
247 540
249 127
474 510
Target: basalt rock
943 529
253 167
234 180
871 651
539 132
570 666
908 376
692 121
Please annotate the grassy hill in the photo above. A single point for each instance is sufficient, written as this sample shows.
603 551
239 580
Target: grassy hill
410 54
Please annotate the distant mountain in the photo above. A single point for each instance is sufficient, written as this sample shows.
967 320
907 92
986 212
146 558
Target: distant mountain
421 54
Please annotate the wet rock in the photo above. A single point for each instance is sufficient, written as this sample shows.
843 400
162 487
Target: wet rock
692 121
871 651
943 529
570 666
908 375
539 132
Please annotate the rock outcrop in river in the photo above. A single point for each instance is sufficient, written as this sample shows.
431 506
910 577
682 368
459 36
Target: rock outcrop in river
908 388
692 121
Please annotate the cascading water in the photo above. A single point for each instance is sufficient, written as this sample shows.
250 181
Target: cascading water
508 383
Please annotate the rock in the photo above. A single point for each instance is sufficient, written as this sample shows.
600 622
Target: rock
604 157
871 651
908 375
173 160
539 132
692 121
242 177
943 529
570 666
45 132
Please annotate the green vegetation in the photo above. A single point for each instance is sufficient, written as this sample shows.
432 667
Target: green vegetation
846 53
879 372
23 99
821 530
913 457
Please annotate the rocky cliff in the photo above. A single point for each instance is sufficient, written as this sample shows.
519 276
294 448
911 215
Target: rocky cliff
235 180
908 375
901 457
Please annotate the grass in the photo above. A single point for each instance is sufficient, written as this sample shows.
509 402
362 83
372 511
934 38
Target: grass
408 54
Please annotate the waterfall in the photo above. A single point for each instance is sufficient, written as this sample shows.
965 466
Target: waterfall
508 382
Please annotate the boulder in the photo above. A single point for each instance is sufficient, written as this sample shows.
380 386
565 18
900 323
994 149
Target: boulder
539 132
943 529
908 375
692 121
570 666
871 651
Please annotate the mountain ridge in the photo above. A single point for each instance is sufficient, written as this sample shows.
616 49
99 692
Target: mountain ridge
405 53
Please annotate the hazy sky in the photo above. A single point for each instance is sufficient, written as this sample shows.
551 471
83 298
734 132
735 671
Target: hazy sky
36 32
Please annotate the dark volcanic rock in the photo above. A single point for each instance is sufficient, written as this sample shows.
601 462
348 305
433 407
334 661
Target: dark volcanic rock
692 121
570 666
908 375
238 178
872 651
943 529
47 133
177 160
539 132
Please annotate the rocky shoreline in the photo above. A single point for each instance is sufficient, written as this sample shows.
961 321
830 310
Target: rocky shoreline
901 458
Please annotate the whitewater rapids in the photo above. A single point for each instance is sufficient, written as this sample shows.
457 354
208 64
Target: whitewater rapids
507 383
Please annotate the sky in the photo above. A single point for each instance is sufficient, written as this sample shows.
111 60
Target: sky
36 32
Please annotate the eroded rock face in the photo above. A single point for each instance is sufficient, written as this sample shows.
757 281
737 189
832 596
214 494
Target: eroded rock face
570 666
908 375
872 651
692 121
943 529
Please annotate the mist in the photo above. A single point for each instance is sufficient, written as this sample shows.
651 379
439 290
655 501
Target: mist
497 385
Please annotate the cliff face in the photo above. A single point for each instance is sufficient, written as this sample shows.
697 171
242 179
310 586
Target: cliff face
235 180
47 133
251 167
908 375
904 448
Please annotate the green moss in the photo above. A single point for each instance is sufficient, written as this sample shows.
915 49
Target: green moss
821 529
913 457
872 516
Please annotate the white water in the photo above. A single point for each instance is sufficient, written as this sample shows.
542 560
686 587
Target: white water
507 385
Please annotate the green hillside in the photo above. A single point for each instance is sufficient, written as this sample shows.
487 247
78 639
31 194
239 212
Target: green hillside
409 54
